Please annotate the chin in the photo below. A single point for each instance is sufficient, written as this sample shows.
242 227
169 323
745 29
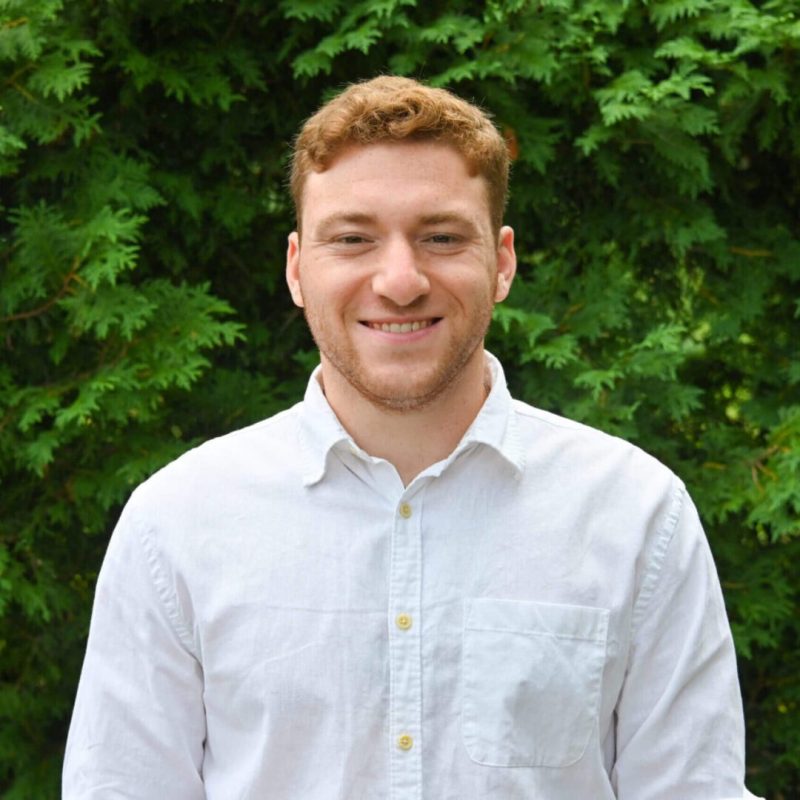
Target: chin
397 403
402 398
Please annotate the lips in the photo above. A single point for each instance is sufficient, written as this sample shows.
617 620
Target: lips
401 327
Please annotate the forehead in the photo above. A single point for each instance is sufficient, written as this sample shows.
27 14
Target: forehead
396 178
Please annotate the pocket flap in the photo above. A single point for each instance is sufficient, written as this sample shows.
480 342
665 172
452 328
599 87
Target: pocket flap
546 619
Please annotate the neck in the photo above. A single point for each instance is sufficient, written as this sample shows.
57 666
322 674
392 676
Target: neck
410 440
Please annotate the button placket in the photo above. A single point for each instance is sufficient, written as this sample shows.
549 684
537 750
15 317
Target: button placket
405 668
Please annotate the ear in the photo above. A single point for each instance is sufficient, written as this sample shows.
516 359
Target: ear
293 268
506 263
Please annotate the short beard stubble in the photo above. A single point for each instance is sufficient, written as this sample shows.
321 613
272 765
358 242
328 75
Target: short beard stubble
346 361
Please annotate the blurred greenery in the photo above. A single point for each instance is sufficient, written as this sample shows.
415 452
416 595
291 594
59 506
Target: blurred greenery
143 148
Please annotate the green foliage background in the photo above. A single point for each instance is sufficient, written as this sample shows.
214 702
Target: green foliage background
143 147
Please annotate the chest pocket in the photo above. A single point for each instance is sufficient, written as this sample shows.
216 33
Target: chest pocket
532 674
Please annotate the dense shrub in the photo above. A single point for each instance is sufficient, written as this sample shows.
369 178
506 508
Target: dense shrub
142 308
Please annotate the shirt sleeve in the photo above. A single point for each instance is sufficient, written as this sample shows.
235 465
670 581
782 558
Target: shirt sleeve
680 729
138 726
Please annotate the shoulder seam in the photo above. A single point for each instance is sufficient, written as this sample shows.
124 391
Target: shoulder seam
664 537
160 585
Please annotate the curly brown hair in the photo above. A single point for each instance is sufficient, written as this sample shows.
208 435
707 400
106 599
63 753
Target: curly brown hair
391 108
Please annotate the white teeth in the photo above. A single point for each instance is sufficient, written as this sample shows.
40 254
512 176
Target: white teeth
400 327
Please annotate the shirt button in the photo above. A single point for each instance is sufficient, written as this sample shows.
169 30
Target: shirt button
403 621
405 510
405 742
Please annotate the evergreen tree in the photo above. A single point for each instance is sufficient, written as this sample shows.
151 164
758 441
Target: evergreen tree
143 148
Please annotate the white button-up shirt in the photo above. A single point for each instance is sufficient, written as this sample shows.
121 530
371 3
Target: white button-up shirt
537 616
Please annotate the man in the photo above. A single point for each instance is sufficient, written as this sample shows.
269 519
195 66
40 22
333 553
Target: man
408 585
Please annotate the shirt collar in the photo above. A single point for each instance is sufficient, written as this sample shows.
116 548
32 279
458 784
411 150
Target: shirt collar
496 423
320 429
495 426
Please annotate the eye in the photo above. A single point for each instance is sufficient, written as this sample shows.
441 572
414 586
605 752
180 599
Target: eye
444 240
351 238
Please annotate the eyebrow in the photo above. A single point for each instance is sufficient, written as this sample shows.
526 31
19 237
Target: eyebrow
343 218
447 218
361 218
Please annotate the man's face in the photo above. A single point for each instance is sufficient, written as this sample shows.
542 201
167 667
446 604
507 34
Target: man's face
398 269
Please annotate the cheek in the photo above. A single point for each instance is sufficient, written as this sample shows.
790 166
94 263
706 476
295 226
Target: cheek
480 287
327 290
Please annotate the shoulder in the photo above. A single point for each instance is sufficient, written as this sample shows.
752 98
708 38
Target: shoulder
613 492
262 453
588 457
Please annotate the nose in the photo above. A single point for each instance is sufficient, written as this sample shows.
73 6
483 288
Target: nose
399 274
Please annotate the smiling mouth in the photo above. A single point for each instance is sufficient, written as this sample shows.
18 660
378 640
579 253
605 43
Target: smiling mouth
401 327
